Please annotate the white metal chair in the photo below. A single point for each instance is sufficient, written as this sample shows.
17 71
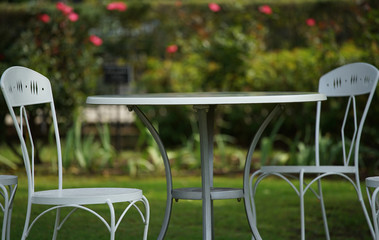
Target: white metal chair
372 188
22 88
346 81
8 187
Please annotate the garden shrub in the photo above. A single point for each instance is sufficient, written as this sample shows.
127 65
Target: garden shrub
191 46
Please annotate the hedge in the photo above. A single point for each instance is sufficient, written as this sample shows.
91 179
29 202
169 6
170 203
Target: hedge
240 47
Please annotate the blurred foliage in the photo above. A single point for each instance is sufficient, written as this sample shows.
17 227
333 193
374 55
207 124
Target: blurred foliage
184 46
84 152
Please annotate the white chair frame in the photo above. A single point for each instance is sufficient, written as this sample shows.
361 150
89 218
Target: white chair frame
23 87
347 81
372 189
8 187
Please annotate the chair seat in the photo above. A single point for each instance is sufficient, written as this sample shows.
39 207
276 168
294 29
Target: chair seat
308 169
372 182
8 180
86 196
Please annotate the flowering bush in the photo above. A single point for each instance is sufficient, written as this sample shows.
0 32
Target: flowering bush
212 55
311 22
214 7
266 9
68 11
183 47
95 40
117 6
44 18
172 48
58 44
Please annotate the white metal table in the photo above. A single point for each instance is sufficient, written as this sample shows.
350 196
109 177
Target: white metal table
204 105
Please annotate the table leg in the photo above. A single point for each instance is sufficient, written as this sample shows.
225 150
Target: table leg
210 128
205 119
246 187
166 161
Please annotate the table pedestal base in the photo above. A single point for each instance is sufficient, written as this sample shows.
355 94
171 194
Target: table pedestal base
216 193
207 193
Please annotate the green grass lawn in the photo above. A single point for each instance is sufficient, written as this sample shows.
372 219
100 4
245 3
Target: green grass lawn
278 212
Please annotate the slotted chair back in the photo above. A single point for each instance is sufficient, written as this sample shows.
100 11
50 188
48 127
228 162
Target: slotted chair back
348 81
22 88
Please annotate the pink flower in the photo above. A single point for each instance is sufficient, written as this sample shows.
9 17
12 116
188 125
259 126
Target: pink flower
95 40
266 9
117 6
214 7
44 18
311 22
65 9
172 48
73 17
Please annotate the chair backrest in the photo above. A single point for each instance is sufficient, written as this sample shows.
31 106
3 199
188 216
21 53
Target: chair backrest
349 81
22 88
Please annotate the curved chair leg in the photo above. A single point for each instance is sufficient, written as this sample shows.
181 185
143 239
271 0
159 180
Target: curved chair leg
112 226
327 235
366 213
147 217
8 212
5 220
9 222
302 210
112 229
7 208
27 221
57 223
373 203
360 197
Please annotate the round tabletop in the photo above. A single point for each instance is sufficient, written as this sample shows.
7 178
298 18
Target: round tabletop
206 98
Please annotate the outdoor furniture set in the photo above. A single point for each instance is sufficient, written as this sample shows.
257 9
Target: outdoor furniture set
23 88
